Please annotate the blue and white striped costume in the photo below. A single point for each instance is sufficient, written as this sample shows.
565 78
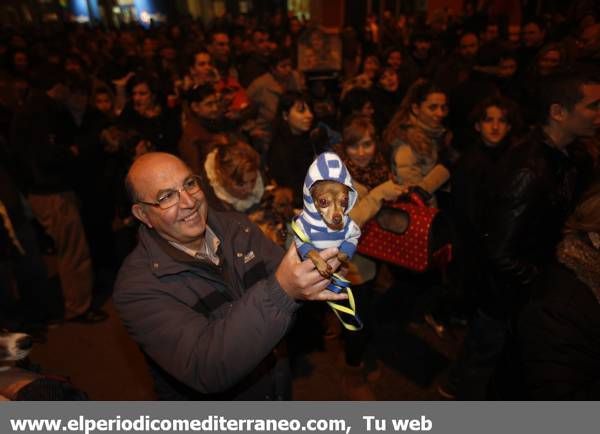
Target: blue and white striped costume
327 166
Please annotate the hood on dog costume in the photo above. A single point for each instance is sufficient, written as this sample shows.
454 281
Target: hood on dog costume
327 167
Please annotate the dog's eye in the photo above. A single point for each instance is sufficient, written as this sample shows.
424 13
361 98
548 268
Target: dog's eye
345 202
323 203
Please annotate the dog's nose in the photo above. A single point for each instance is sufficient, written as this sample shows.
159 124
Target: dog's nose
25 343
337 218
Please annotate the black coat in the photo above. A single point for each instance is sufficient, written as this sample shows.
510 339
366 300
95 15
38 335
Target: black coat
531 194
559 339
289 158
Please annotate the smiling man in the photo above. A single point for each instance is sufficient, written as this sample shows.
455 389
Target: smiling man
205 294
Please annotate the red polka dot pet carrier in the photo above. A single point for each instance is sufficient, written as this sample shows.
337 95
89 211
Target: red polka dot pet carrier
409 234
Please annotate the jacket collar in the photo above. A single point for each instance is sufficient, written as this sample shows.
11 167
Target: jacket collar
164 259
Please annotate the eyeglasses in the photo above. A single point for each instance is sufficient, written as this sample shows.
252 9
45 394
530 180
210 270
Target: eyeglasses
170 198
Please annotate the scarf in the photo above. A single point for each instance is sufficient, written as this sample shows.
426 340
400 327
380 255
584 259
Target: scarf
241 205
431 132
578 255
376 172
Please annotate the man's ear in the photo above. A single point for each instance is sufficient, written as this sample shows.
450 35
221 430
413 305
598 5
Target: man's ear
140 213
285 116
558 113
477 127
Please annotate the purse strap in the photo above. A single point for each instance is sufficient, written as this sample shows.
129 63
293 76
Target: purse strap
338 284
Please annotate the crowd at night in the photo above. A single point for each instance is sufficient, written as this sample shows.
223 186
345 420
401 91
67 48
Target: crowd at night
162 165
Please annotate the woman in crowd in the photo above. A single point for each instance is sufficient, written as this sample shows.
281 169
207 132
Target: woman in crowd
357 101
559 330
421 156
387 96
371 178
146 113
370 67
419 142
293 149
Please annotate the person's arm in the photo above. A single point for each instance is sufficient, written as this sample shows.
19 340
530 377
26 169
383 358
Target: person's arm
406 169
370 204
436 177
508 223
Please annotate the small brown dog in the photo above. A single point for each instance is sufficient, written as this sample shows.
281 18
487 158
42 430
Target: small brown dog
324 222
331 200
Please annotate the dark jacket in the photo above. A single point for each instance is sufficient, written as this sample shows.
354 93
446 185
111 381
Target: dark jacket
208 331
290 156
559 339
531 194
199 137
163 131
470 181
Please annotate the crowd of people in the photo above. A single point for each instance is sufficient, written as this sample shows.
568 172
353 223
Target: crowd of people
178 153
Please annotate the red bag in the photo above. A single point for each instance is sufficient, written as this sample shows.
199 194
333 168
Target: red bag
408 233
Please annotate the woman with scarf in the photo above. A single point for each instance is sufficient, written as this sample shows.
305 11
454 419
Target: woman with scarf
419 142
371 179
421 156
559 329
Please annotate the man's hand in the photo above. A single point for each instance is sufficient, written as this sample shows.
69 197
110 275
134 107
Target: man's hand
302 281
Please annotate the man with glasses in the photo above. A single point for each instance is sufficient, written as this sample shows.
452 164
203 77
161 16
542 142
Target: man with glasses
205 294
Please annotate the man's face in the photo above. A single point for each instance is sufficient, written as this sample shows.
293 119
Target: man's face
533 36
493 127
514 34
261 43
20 61
389 80
491 33
589 40
395 59
184 222
142 98
208 108
468 46
103 103
422 48
584 119
283 69
295 26
548 62
507 67
220 47
201 70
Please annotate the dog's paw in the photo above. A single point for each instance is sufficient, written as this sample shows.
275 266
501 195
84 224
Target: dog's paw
342 257
325 271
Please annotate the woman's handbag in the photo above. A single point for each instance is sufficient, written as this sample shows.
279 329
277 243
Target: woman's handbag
409 234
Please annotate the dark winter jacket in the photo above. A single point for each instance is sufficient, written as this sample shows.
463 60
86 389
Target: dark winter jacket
208 331
531 195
